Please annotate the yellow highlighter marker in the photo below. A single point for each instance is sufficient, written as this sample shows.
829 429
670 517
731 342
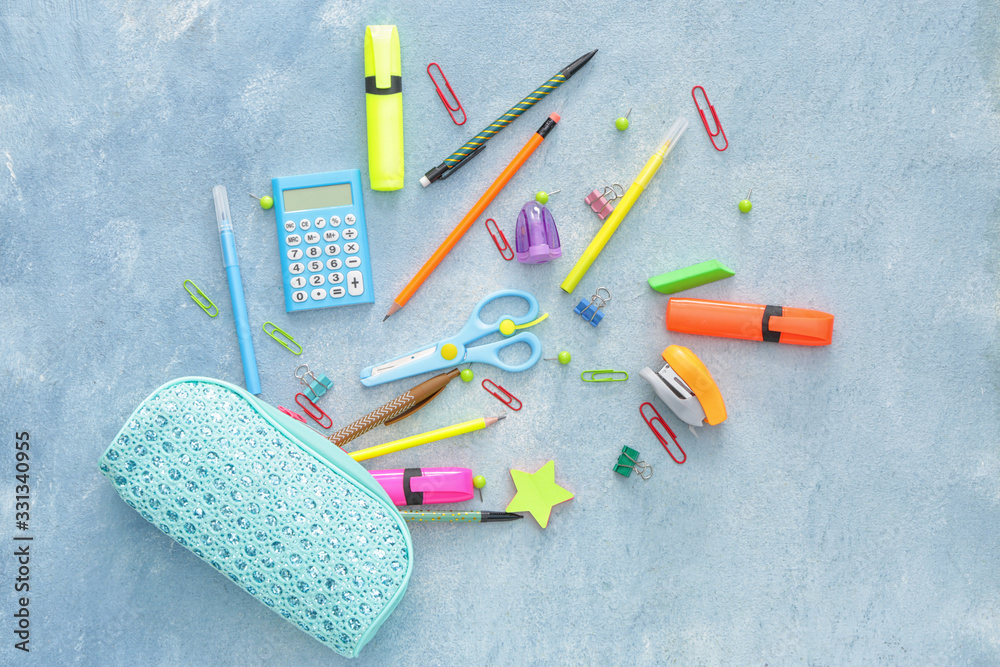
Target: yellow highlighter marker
384 106
616 217
424 438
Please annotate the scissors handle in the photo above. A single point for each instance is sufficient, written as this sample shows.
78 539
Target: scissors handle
475 328
487 354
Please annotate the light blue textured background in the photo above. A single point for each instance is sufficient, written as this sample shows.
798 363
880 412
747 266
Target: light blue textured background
846 512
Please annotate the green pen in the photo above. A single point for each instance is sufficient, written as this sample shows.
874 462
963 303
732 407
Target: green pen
430 516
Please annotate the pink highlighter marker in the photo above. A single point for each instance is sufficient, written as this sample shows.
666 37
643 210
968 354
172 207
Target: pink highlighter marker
426 486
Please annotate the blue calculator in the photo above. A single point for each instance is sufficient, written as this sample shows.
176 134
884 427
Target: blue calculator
323 240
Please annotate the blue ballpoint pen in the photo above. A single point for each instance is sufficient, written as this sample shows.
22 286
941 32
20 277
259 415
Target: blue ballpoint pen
232 263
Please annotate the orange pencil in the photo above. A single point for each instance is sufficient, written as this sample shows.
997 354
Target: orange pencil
471 217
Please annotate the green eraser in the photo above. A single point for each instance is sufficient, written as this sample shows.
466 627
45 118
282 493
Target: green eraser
692 276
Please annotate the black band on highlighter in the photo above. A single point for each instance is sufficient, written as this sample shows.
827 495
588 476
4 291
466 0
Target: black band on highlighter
768 335
395 86
412 497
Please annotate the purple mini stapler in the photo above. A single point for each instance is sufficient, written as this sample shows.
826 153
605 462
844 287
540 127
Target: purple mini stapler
536 240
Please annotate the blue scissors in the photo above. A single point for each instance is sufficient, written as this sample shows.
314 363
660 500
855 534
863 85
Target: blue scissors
453 351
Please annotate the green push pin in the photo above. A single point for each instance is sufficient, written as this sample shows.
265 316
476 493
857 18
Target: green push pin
563 358
265 201
622 122
542 197
479 482
466 375
745 204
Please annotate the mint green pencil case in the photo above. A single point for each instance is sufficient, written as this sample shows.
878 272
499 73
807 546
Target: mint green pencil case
268 502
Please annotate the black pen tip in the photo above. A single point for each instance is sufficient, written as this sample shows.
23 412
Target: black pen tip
487 517
571 69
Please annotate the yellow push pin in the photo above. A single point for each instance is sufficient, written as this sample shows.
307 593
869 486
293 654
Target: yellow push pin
479 482
563 358
265 201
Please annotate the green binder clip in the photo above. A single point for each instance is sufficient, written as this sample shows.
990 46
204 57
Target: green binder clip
692 276
628 461
384 106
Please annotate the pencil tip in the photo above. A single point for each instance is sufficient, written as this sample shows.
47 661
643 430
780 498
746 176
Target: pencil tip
501 417
571 69
392 311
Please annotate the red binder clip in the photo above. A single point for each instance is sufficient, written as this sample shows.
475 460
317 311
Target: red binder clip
499 240
502 395
317 416
715 119
652 421
447 104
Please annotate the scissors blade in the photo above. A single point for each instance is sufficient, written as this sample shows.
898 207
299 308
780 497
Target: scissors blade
402 361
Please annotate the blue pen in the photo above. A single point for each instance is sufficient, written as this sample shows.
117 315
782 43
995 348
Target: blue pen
232 263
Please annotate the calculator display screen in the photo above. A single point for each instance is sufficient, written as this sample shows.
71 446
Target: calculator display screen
325 196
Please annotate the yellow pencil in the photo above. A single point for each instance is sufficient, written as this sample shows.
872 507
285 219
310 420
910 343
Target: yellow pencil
424 438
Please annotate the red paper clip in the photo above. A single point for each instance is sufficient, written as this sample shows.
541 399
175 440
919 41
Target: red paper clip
293 415
447 105
715 119
497 238
502 395
316 418
651 423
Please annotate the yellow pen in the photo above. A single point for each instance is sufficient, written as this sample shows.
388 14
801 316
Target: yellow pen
424 438
616 217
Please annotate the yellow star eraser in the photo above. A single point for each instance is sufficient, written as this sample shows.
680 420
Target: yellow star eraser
537 492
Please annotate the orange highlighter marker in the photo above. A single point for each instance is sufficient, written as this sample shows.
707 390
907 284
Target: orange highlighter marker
750 321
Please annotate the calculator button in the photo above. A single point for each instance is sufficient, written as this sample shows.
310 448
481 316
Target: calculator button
305 224
331 235
296 267
351 248
337 292
313 251
350 219
335 221
333 249
294 254
293 239
315 265
312 237
355 283
298 281
289 225
320 223
353 262
350 234
316 279
334 264
299 297
336 278
319 294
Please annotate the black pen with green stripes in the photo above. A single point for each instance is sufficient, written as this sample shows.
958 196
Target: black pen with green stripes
475 145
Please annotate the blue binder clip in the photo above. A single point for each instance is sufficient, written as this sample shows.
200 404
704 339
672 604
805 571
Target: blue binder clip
315 386
591 312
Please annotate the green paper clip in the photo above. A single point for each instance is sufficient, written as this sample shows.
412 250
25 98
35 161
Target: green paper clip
284 343
194 295
614 376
